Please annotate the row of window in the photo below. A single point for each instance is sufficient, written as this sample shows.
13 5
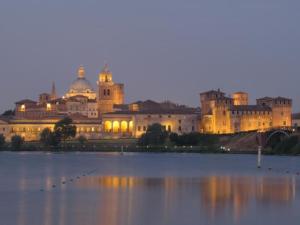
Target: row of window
160 116
250 112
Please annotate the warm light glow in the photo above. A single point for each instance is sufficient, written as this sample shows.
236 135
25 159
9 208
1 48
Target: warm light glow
23 108
124 126
130 126
48 107
107 126
116 126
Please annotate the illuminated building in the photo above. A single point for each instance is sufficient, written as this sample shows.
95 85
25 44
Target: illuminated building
109 93
104 114
224 115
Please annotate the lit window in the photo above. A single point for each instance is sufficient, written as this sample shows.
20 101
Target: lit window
48 107
169 128
23 108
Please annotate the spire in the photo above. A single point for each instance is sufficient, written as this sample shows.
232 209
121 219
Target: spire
81 72
53 91
105 74
105 68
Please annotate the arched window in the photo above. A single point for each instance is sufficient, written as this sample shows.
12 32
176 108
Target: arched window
104 92
107 126
108 92
116 126
130 126
124 126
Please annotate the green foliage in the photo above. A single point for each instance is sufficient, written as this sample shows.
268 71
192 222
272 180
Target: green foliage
82 139
287 145
49 138
155 135
2 140
296 149
193 139
16 142
64 129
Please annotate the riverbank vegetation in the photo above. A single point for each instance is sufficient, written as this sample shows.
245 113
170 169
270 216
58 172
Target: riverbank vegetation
287 146
156 139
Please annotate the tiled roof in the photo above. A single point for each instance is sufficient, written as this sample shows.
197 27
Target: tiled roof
250 108
174 112
24 101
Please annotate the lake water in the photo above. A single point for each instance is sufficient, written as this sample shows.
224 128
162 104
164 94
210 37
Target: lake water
147 189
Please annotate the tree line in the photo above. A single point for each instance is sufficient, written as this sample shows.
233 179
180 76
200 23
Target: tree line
157 135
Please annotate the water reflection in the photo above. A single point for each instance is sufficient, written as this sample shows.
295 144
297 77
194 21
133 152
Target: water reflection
120 200
212 195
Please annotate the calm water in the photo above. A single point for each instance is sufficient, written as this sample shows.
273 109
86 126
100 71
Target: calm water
146 189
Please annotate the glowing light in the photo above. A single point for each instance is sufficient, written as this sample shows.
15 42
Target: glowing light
107 126
23 108
48 107
116 127
124 126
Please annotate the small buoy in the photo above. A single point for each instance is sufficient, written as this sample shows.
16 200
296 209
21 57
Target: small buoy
298 173
287 171
269 168
78 177
53 185
41 189
63 182
71 180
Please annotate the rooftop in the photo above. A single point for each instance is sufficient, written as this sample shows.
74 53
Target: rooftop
253 108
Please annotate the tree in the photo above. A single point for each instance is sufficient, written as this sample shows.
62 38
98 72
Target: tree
17 142
193 138
287 145
155 135
82 139
64 129
173 137
2 140
49 138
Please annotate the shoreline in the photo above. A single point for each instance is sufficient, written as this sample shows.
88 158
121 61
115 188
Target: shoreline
147 150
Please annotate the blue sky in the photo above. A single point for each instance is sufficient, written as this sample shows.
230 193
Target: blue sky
161 49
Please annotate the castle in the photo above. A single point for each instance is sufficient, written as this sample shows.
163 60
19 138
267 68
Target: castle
104 114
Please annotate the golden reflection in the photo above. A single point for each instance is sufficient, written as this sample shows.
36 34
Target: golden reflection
216 194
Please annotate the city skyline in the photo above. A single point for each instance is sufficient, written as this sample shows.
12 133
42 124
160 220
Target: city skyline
160 51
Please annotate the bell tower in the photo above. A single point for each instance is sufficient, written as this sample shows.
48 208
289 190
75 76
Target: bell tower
109 93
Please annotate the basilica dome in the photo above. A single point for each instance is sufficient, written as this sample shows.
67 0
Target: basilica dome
81 86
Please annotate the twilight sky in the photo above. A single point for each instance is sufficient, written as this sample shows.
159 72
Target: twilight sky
161 49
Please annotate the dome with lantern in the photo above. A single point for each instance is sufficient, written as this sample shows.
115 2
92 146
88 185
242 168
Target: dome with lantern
81 86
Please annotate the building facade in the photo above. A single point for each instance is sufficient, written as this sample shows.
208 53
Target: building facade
104 114
225 115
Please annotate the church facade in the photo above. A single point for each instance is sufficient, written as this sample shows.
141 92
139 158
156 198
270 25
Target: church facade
102 113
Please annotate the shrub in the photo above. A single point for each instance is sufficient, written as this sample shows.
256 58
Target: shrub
193 138
286 145
49 138
82 139
2 140
155 135
16 142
